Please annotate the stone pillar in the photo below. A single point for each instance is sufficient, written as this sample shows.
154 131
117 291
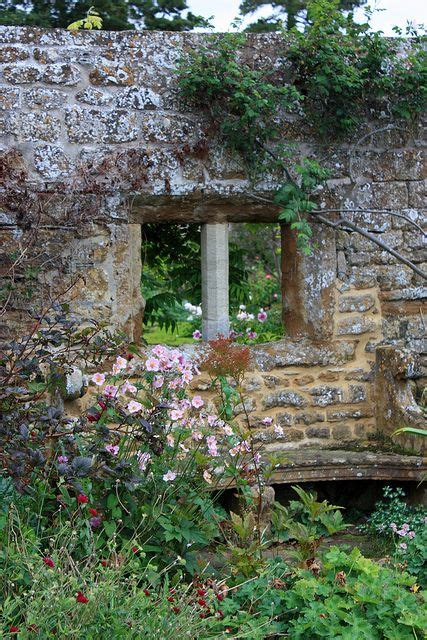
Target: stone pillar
214 248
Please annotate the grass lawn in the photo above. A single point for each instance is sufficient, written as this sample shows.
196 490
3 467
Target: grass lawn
153 334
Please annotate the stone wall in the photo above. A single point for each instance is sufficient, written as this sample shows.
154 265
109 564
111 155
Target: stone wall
95 142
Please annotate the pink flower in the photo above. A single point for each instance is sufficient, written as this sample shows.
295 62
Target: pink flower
134 407
207 477
152 364
275 296
169 476
252 335
128 387
110 390
197 402
262 316
268 276
113 449
403 546
144 459
158 381
121 363
212 420
187 377
411 535
197 334
197 435
212 446
227 430
278 430
170 440
176 414
62 459
267 420
98 379
159 351
82 499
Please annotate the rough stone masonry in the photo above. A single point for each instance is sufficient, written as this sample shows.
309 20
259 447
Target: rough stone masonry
95 142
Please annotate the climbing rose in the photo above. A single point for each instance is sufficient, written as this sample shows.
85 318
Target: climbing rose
262 316
81 598
134 407
169 476
82 499
48 562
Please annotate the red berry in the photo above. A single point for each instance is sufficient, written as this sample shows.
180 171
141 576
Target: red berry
176 609
202 615
81 598
93 512
170 599
135 549
104 563
147 593
202 602
13 629
48 562
102 405
220 596
201 592
82 499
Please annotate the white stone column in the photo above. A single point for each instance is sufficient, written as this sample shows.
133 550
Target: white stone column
214 247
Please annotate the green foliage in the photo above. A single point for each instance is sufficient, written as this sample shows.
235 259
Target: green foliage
242 102
91 21
346 72
307 521
288 13
354 598
393 509
163 15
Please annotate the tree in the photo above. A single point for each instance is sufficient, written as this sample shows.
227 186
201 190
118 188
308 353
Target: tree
163 15
288 13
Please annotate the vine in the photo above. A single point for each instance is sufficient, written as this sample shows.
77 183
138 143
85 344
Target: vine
341 73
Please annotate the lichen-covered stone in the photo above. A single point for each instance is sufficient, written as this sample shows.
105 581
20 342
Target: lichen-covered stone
304 380
21 74
9 98
39 97
317 432
13 54
309 417
342 432
284 353
329 376
272 381
284 419
51 161
357 393
138 98
355 326
112 73
340 415
92 125
324 395
284 399
32 127
94 97
360 303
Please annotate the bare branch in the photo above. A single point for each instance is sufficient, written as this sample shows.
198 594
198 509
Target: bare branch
347 224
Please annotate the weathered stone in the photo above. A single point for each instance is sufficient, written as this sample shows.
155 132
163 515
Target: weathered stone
35 126
75 385
21 75
13 54
50 161
111 73
9 98
355 326
94 97
251 384
360 375
272 381
338 415
389 165
92 125
138 98
357 393
284 419
302 382
164 127
248 405
363 278
342 432
417 193
329 376
284 353
323 396
360 303
394 277
317 432
46 98
284 399
309 417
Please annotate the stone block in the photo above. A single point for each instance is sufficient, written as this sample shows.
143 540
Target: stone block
284 399
248 405
285 353
303 381
13 54
317 432
342 432
94 97
51 161
35 126
284 419
355 326
324 395
107 72
21 74
309 417
389 165
138 98
39 97
363 277
329 376
170 128
92 125
394 276
272 381
9 98
417 197
360 375
339 415
378 195
359 303
357 393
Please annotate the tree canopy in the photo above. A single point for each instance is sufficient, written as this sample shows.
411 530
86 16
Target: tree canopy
287 13
163 15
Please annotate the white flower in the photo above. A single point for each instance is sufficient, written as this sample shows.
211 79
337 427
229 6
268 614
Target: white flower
169 476
207 477
152 364
278 430
121 363
143 459
197 402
